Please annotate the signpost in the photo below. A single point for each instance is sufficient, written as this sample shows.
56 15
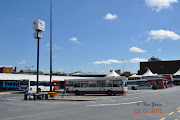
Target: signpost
38 27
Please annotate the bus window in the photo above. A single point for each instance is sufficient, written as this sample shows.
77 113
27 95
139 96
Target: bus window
92 83
98 83
116 83
101 83
32 83
159 82
70 84
84 84
153 82
17 82
109 83
76 84
41 83
67 83
46 83
24 82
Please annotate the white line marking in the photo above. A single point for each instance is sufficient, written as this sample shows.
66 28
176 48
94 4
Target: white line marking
115 104
91 101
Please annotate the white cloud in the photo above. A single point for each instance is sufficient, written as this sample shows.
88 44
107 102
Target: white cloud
6 65
163 34
110 61
136 60
47 45
22 62
160 4
56 47
136 50
109 16
159 50
74 39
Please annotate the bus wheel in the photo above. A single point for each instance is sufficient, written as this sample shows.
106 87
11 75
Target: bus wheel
76 92
109 92
154 88
133 88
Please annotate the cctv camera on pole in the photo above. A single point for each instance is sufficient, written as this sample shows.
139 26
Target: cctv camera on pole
38 27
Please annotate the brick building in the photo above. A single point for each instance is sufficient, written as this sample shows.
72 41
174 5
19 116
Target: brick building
6 69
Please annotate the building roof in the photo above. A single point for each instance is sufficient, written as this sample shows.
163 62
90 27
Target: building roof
90 73
7 76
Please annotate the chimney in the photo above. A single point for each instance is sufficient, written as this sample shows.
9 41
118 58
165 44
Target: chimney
15 69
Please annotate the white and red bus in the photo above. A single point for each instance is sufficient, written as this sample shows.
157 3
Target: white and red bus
58 85
105 85
154 84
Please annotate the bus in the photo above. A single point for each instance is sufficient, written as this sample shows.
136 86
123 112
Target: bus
168 77
9 85
44 86
106 85
24 85
147 84
6 85
58 85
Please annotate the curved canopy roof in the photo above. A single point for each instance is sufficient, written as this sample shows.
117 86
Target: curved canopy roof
8 76
112 74
177 73
135 76
149 73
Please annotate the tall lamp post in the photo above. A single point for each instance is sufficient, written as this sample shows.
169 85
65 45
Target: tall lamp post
50 45
29 68
38 27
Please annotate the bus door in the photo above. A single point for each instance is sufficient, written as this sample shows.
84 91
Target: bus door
101 85
61 86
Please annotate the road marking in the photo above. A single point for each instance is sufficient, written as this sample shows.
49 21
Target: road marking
178 111
91 101
163 118
2 93
178 108
171 113
143 96
175 119
115 104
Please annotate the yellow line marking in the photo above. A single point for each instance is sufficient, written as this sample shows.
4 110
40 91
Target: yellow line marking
175 119
163 118
178 108
178 111
171 113
1 93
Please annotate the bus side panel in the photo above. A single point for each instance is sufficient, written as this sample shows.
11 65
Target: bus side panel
98 92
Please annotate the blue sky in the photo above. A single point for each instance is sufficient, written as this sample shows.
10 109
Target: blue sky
90 35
